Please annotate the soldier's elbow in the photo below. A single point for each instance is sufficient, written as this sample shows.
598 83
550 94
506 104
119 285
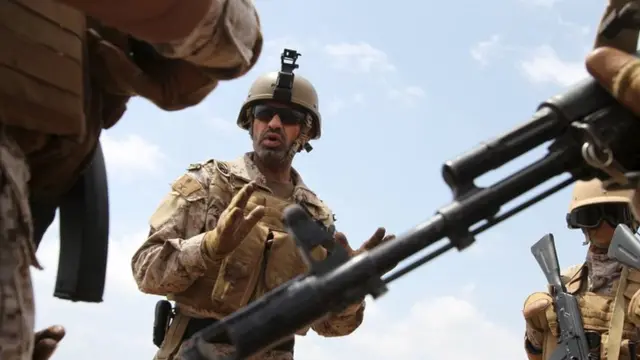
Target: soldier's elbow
177 102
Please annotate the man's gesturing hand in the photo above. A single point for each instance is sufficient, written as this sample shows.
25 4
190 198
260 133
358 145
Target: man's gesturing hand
232 225
376 239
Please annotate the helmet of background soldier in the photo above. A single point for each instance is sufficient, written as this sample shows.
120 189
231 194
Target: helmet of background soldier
592 192
303 94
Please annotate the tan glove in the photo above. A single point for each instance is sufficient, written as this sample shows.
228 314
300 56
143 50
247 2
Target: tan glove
46 341
619 73
376 239
633 311
232 225
534 311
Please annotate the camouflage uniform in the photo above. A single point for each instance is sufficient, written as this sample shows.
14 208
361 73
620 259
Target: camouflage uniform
171 261
49 126
603 286
207 251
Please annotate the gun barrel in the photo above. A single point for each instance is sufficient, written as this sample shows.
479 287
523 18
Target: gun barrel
468 211
492 154
548 122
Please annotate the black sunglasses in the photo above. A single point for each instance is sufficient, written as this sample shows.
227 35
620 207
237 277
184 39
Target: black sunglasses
287 115
591 216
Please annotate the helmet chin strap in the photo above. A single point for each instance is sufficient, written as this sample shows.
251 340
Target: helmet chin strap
302 141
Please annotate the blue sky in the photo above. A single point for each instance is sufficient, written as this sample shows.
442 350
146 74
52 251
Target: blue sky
402 88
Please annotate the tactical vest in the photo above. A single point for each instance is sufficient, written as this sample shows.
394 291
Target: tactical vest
266 258
597 312
41 66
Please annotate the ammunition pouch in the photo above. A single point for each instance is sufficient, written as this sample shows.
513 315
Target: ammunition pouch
161 321
84 235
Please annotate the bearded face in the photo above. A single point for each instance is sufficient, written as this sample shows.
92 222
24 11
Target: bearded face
274 129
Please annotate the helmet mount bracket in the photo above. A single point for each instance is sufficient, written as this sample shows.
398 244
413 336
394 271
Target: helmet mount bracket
284 82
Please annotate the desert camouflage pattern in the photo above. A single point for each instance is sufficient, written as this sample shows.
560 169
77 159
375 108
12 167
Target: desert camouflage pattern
226 38
595 284
171 261
602 274
17 254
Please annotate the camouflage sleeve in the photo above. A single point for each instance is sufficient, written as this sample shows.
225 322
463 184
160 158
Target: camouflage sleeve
626 40
228 40
341 324
170 260
147 20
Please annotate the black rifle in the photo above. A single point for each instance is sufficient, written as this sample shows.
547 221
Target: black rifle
591 135
572 341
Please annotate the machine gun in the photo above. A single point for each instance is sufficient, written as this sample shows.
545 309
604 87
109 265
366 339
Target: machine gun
590 134
572 340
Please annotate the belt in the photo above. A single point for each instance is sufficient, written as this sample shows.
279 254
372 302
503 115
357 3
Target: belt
196 325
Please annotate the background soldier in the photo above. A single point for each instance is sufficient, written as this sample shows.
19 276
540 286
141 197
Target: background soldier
603 286
51 120
217 241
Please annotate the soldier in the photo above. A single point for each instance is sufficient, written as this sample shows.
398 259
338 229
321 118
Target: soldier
52 111
217 240
603 286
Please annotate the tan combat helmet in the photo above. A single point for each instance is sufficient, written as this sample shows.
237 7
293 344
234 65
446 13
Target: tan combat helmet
284 86
592 192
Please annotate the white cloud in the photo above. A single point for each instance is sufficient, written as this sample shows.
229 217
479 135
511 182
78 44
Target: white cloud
541 3
335 105
544 66
576 30
131 155
446 327
120 326
360 57
408 95
484 51
220 124
359 98
121 249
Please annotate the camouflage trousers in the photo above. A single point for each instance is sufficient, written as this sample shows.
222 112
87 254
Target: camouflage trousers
219 350
17 254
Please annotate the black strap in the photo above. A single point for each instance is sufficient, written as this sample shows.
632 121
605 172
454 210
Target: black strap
196 325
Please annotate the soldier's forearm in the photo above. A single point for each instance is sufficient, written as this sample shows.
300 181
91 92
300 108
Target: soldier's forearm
227 41
626 40
154 21
168 267
343 323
